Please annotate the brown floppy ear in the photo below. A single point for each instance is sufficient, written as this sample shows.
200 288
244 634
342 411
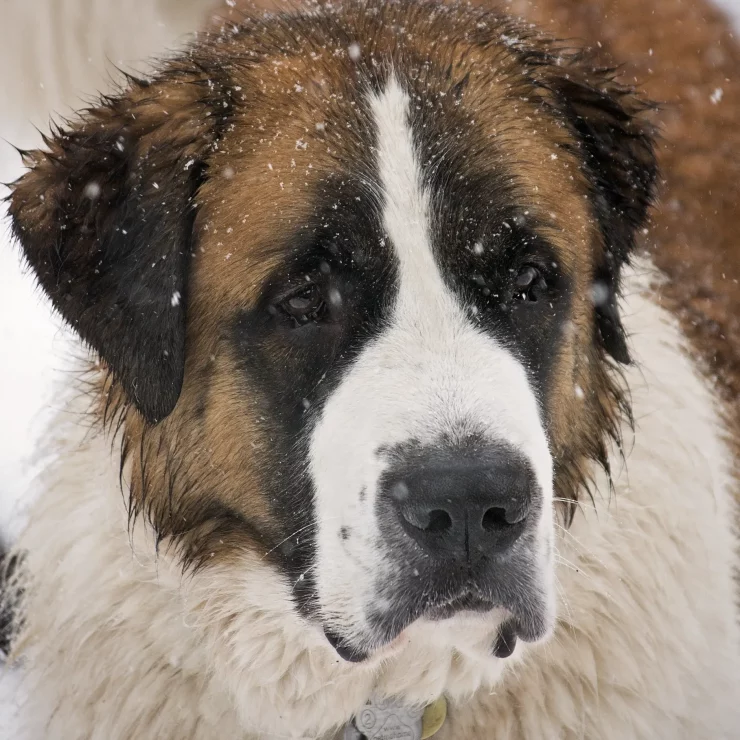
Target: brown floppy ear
616 143
105 220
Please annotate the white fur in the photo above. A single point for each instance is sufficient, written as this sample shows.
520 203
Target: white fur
430 374
118 646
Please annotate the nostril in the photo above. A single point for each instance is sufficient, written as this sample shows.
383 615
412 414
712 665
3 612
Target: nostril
499 518
494 518
439 521
426 520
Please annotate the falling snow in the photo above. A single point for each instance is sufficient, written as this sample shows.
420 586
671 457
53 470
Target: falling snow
354 52
335 298
92 190
600 293
509 40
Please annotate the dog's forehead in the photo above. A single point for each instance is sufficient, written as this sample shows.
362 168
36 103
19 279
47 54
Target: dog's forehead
302 142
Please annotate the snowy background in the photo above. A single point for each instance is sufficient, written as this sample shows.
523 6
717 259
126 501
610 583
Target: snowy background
55 68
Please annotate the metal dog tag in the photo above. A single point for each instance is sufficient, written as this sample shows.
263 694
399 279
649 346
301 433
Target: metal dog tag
385 720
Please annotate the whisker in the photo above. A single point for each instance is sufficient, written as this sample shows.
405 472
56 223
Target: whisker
293 534
302 576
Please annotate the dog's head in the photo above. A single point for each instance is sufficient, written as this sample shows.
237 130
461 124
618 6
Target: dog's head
354 276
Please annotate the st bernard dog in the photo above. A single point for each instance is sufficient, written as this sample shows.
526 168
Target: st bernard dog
389 413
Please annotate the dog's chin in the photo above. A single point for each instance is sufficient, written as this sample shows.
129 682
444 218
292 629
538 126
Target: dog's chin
531 621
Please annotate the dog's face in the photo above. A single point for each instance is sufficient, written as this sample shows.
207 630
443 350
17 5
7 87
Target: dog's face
356 291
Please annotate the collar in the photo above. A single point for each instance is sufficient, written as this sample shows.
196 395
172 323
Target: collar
386 719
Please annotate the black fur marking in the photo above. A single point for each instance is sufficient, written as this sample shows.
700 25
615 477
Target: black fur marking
292 369
10 596
616 141
105 219
483 234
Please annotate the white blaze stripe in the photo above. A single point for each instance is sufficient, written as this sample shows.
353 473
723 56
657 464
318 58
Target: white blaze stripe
431 374
406 203
431 318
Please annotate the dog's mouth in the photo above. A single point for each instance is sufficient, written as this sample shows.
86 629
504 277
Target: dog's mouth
527 621
467 601
503 645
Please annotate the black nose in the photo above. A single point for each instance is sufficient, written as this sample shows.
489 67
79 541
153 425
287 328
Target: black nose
461 507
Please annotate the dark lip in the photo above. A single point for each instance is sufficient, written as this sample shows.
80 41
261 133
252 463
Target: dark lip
344 649
466 601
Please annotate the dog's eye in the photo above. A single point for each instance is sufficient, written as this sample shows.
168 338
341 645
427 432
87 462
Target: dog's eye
304 306
530 284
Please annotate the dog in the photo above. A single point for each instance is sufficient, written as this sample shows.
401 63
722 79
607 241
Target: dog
390 426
